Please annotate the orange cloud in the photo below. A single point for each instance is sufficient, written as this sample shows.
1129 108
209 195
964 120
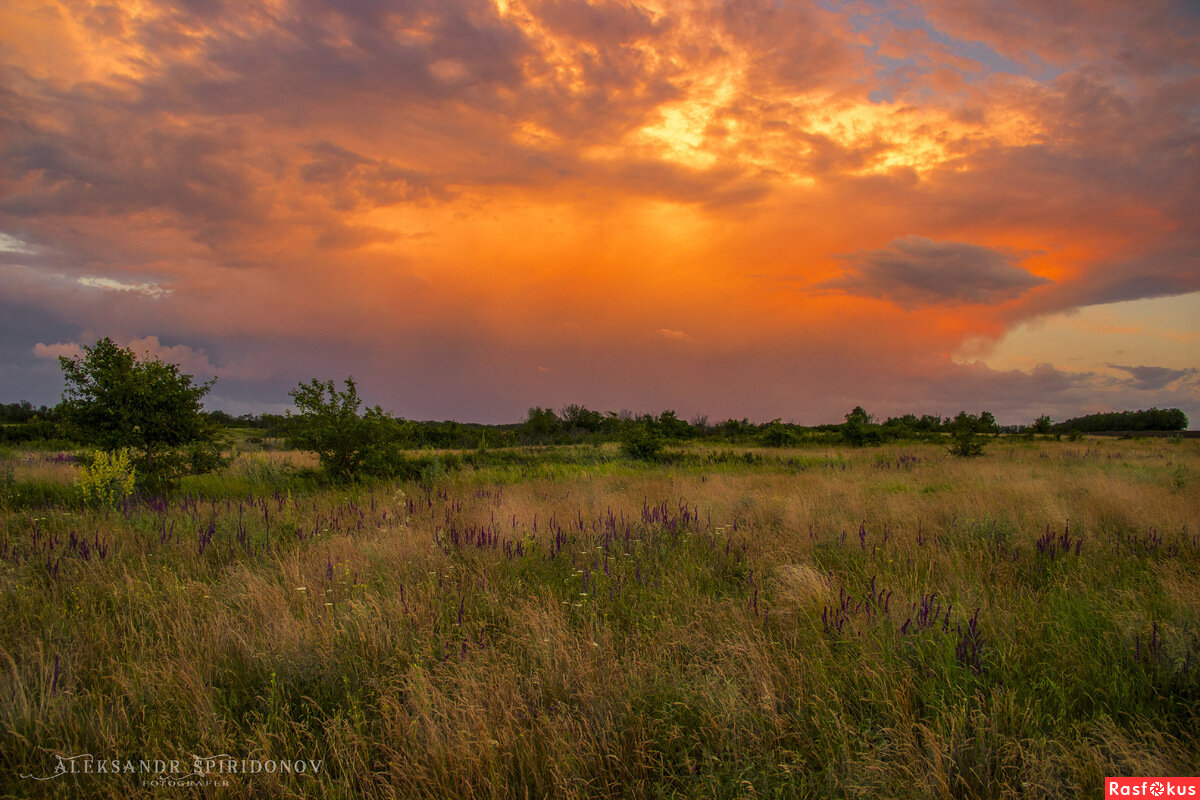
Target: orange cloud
481 206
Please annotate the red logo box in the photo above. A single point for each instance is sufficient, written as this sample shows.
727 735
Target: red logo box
1152 787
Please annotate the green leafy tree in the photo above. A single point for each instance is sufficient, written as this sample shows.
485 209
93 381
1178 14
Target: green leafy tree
644 443
580 418
348 444
672 426
776 434
734 429
929 423
964 438
116 401
1043 424
541 425
856 430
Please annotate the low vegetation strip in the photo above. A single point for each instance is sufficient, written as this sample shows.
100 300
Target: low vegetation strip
575 622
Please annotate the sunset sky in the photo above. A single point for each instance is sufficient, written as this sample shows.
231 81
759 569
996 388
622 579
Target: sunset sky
759 209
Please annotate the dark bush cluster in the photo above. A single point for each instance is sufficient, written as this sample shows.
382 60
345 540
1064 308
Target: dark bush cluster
1153 419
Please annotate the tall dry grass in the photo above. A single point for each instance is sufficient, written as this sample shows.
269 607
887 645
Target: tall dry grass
809 623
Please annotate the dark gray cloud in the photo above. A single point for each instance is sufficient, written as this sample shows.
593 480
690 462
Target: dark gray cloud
355 181
98 156
338 55
1170 268
1154 378
914 271
22 375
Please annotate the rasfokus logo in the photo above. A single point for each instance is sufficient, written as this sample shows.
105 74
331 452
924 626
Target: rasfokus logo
1152 787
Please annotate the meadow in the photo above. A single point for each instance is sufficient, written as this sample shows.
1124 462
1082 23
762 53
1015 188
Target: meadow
566 622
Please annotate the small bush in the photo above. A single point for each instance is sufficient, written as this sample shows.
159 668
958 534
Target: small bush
965 443
348 445
108 480
858 430
644 444
778 435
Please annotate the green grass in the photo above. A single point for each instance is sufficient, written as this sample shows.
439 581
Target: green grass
567 623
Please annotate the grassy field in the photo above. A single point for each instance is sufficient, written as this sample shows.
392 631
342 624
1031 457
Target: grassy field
880 622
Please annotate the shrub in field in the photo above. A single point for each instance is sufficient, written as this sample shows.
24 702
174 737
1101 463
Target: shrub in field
857 429
118 401
541 425
643 443
965 442
672 426
348 445
580 418
776 434
108 480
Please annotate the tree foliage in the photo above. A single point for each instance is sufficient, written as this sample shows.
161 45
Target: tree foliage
671 426
116 400
580 418
987 423
541 424
1152 419
348 444
776 434
964 434
857 429
643 442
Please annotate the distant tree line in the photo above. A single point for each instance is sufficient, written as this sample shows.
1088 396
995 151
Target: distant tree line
23 422
1152 419
23 412
145 411
577 424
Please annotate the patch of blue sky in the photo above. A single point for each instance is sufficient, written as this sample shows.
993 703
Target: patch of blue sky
977 51
867 15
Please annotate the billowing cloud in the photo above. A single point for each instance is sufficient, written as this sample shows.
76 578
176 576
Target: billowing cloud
478 206
58 350
191 361
1154 378
915 271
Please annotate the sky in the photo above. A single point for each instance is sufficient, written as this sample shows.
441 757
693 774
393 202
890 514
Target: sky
733 209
